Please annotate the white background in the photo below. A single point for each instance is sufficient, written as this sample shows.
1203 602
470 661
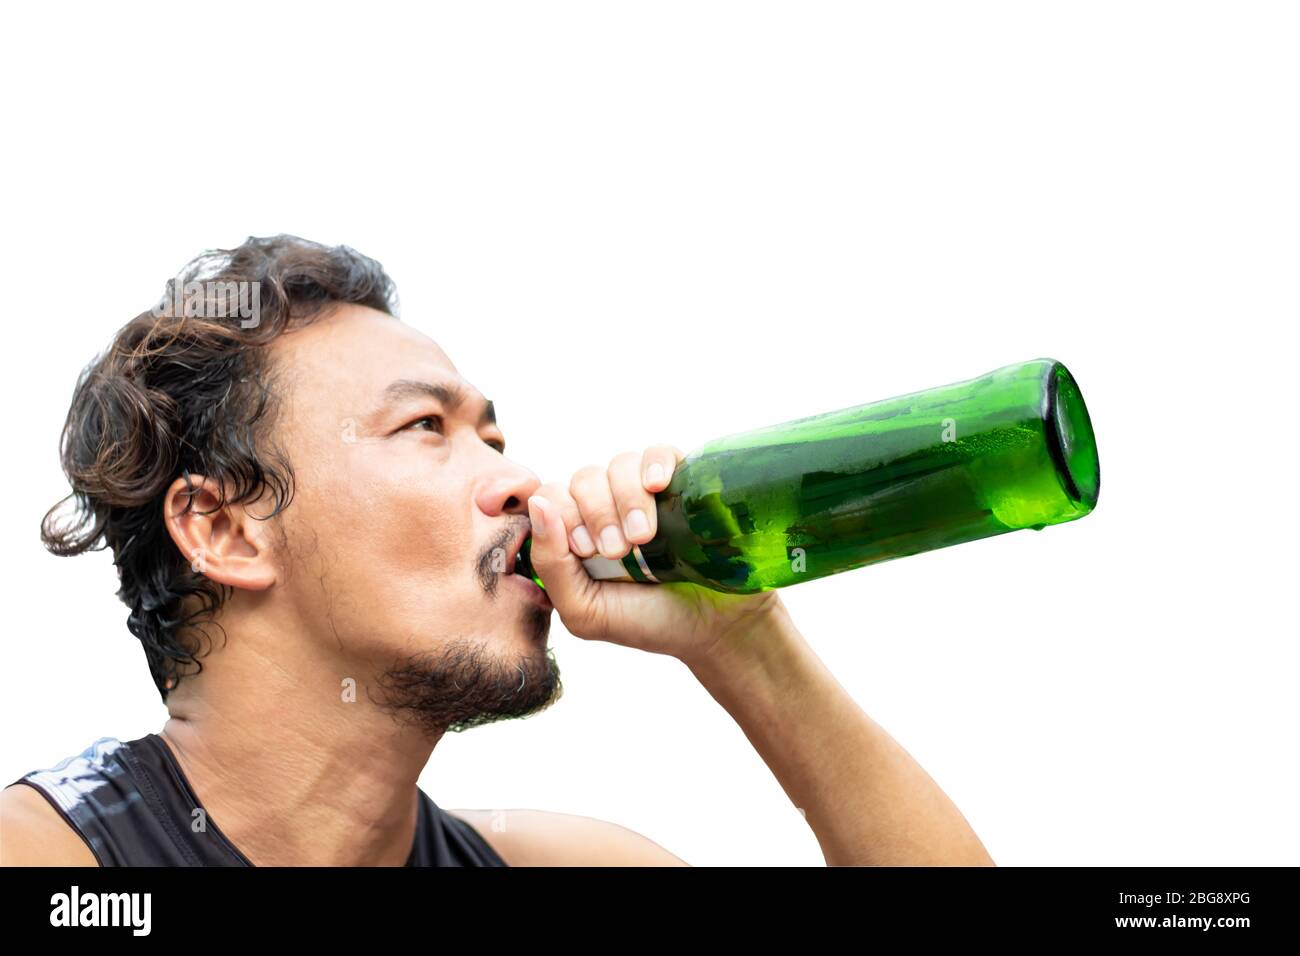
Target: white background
669 222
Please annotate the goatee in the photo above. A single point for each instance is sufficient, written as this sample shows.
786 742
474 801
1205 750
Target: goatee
464 685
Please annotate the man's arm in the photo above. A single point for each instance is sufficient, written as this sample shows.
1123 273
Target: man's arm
541 838
867 800
33 834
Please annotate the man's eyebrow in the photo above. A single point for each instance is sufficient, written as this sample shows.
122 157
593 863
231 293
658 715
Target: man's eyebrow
451 396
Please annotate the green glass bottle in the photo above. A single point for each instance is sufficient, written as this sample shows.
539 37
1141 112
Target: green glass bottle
816 496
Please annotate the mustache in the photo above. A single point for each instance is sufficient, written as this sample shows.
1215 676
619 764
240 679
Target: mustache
486 566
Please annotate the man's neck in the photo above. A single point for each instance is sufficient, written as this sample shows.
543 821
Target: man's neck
292 771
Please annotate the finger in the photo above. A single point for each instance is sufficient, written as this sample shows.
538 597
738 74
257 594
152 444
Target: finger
567 582
658 465
590 489
579 537
636 506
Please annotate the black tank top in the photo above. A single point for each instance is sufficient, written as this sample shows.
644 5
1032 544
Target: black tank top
133 806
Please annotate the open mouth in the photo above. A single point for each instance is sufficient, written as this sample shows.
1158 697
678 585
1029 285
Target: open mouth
530 590
519 566
520 563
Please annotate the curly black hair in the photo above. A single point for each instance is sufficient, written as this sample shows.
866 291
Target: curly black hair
190 391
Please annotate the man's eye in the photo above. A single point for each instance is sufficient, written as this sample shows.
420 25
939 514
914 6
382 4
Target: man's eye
430 423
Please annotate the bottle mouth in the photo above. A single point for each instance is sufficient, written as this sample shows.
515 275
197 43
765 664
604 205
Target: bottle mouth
524 563
1070 438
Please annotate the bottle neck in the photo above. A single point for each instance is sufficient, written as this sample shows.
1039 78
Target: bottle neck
632 567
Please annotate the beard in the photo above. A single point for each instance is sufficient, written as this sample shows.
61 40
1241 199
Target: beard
464 685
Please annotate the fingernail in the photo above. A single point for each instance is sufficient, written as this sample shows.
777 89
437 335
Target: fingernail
654 474
637 524
582 540
611 542
537 510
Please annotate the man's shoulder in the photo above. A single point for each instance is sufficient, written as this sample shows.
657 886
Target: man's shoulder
34 833
546 838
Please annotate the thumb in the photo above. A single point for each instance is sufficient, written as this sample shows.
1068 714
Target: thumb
568 585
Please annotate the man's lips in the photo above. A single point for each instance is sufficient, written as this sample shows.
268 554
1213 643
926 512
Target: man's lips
512 555
529 589
492 569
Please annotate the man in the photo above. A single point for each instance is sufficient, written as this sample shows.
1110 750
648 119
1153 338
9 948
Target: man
315 527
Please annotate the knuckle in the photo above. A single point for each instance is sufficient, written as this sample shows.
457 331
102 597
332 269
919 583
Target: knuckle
585 477
634 497
597 516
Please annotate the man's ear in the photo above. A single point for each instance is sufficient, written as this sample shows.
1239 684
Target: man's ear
227 544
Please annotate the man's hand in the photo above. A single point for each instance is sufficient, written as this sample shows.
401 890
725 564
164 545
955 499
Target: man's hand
864 796
606 511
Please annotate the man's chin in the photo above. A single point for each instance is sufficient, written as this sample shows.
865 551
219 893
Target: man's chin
470 683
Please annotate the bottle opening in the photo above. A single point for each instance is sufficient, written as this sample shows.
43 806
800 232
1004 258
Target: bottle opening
1073 444
524 563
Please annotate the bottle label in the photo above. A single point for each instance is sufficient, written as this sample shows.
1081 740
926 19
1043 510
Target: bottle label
604 569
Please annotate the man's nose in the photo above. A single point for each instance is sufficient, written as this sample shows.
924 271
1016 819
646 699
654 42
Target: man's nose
507 490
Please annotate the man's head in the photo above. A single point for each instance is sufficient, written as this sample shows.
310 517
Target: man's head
318 470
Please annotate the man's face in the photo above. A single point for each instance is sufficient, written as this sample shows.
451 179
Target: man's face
405 512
